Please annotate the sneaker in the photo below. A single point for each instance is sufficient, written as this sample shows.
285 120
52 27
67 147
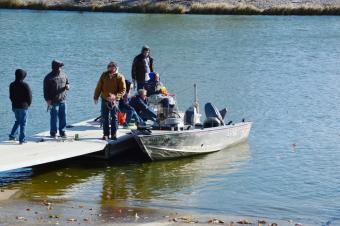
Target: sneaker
53 135
105 138
11 138
63 135
22 142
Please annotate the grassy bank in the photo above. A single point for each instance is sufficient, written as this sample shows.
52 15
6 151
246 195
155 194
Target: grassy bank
165 7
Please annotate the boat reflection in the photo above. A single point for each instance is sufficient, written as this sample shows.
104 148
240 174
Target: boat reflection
117 184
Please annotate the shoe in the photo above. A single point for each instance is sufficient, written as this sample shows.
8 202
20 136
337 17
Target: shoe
22 142
53 135
63 135
114 137
105 138
11 138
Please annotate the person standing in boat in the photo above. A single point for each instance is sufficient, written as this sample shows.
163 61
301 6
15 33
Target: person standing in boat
56 85
141 67
20 95
141 106
111 88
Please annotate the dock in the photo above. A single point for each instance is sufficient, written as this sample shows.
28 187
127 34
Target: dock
83 138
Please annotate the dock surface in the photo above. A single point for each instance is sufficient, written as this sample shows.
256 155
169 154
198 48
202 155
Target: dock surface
41 149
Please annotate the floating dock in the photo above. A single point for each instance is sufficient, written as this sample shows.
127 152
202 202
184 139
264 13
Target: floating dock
41 149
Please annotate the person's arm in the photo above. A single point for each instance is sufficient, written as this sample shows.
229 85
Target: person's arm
134 72
142 105
121 87
28 94
47 89
151 64
99 88
11 93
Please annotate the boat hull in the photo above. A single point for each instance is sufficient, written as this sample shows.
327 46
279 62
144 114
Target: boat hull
162 145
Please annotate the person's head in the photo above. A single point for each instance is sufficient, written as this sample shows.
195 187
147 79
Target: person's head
57 65
146 51
142 93
157 77
112 67
20 75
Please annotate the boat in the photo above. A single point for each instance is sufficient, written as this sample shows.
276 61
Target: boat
178 135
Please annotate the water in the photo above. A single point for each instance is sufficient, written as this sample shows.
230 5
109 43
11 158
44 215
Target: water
282 73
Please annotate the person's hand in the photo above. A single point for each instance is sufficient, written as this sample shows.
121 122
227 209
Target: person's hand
95 101
49 102
112 97
134 84
67 87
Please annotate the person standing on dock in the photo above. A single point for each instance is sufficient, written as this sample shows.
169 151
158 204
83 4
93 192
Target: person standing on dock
56 85
141 67
111 88
21 97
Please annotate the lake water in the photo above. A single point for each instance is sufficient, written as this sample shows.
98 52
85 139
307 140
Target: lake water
282 73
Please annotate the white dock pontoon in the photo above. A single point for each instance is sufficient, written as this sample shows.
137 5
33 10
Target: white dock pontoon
41 149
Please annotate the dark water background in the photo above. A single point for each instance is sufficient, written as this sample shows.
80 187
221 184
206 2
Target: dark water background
282 73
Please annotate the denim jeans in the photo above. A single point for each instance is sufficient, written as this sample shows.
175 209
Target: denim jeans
58 112
131 114
20 121
109 117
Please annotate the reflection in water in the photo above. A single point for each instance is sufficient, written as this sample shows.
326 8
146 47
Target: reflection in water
112 184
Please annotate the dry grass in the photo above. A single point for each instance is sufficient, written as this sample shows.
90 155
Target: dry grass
224 8
144 6
306 9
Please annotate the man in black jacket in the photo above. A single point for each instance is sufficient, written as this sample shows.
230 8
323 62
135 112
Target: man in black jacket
141 67
56 85
21 97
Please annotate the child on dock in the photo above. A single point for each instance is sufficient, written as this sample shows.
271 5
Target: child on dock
21 97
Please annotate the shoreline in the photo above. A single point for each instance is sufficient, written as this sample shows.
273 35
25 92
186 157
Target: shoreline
43 212
180 7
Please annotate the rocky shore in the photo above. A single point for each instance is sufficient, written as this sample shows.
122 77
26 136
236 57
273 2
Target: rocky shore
238 7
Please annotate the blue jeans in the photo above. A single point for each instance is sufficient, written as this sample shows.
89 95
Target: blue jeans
58 111
140 85
20 121
131 114
148 114
109 116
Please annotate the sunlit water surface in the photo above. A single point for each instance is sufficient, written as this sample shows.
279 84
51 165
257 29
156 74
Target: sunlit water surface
282 73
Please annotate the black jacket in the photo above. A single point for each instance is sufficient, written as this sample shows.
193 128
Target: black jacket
55 86
139 68
19 91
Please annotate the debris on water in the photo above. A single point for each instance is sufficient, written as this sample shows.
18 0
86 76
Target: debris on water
298 224
28 209
215 221
53 216
86 219
188 220
136 216
262 222
243 222
294 146
273 224
71 220
20 218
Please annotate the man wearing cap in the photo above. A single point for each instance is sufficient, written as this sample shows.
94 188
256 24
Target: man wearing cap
141 67
111 88
56 85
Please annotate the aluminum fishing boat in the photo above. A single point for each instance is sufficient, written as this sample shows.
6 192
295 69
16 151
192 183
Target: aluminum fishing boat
177 135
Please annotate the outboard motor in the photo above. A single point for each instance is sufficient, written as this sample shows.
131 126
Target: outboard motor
211 122
191 116
214 117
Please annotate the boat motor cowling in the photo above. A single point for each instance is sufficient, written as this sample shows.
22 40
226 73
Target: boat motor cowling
211 122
